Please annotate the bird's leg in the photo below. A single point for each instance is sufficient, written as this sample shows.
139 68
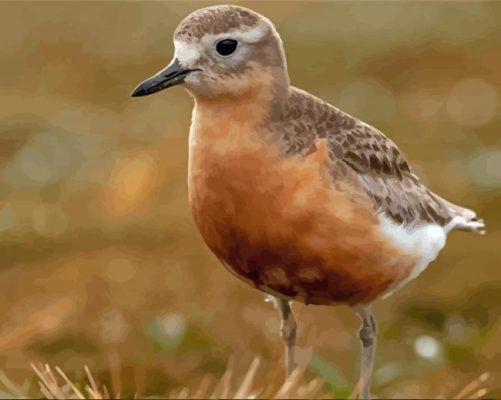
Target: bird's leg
367 336
287 331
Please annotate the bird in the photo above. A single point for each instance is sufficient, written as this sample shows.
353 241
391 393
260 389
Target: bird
294 196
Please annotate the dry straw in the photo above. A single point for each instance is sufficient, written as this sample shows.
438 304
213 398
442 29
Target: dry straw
55 384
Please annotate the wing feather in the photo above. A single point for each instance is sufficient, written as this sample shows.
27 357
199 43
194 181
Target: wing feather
381 168
387 177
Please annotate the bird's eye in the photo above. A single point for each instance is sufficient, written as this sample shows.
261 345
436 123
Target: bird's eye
226 47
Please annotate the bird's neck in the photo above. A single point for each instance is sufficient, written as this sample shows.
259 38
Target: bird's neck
226 126
245 107
264 101
220 120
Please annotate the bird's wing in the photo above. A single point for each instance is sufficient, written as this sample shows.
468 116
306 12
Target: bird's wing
386 176
374 164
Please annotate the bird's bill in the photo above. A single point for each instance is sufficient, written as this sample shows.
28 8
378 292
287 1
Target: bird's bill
173 74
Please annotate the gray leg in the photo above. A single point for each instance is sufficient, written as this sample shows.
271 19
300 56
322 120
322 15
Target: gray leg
287 331
367 335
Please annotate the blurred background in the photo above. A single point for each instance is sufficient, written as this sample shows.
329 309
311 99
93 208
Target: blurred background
100 262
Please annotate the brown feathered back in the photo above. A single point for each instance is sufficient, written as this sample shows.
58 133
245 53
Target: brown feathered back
364 155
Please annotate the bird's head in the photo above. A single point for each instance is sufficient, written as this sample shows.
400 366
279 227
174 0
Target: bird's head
223 51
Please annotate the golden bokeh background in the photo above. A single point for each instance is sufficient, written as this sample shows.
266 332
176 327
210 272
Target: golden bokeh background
100 262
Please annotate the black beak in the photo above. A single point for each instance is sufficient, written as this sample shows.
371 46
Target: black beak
172 75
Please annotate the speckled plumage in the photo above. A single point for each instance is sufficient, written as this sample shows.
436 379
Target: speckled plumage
361 153
215 20
300 118
263 150
294 196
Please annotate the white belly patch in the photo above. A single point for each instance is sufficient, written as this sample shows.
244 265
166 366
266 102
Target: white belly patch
426 241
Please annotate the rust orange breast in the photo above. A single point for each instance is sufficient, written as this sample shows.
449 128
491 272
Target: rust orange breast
279 223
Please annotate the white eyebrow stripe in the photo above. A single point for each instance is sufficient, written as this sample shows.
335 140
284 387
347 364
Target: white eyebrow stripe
252 35
186 52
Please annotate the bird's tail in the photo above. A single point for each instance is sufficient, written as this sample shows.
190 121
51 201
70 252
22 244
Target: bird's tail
463 219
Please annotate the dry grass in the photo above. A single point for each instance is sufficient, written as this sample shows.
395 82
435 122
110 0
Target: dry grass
55 384
475 389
